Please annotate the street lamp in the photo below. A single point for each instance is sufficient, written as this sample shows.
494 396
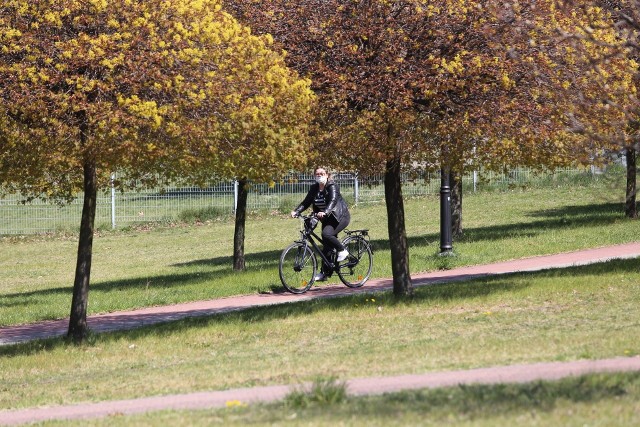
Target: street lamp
446 245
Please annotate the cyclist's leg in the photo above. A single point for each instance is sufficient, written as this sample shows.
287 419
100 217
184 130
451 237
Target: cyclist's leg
328 241
326 251
330 229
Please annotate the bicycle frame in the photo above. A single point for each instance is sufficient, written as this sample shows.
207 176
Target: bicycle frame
309 236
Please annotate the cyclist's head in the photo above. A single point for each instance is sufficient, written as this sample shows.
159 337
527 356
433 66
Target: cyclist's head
321 171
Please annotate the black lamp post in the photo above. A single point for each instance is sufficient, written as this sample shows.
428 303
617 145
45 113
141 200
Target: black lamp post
446 245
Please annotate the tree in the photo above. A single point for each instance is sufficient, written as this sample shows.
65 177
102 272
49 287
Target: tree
554 82
626 15
407 83
621 17
153 89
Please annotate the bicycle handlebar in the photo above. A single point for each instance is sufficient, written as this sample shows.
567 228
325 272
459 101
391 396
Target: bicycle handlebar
311 215
309 221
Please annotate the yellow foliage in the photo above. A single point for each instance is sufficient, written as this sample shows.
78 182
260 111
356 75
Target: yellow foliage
506 81
152 93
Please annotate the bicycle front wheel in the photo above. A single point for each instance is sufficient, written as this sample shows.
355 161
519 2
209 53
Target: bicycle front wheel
297 268
355 270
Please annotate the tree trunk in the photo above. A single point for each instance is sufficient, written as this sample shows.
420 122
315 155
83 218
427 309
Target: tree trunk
456 204
402 285
238 236
630 208
78 319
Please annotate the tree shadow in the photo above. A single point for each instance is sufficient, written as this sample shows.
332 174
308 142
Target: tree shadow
550 219
265 257
137 283
437 292
593 211
485 402
222 267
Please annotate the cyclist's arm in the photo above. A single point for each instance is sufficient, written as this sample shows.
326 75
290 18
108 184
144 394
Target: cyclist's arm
308 200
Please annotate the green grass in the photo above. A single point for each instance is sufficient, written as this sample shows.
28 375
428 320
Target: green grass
556 315
156 265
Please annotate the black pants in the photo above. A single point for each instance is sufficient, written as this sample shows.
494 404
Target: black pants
330 229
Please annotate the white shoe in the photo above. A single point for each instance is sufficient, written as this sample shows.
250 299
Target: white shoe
342 255
320 277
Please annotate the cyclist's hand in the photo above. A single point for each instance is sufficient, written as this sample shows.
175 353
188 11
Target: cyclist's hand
294 214
321 215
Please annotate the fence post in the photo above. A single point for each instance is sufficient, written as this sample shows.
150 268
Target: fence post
113 200
235 195
356 190
475 181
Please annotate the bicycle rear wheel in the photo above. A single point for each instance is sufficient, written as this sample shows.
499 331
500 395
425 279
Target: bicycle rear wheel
355 270
297 268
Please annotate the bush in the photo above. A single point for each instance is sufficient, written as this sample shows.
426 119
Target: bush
323 392
210 213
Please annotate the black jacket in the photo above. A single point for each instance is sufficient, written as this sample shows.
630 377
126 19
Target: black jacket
336 205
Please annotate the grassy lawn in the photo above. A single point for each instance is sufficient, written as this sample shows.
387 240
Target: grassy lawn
565 314
165 264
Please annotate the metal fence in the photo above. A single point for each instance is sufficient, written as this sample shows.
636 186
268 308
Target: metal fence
117 209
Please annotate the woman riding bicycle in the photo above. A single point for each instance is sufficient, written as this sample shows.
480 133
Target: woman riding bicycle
332 211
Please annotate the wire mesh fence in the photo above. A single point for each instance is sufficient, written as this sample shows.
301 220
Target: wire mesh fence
117 209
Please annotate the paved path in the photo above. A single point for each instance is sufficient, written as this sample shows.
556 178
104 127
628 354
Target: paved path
358 386
147 316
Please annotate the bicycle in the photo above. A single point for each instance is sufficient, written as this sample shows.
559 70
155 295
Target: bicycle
299 264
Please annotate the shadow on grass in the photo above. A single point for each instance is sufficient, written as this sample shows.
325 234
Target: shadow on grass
261 258
222 268
594 215
431 293
478 403
593 212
